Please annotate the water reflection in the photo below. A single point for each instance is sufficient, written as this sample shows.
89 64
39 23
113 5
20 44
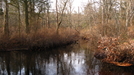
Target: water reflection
66 61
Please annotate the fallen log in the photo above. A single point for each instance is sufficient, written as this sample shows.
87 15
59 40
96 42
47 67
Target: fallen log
15 49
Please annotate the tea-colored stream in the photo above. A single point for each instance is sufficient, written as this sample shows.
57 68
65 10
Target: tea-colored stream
71 60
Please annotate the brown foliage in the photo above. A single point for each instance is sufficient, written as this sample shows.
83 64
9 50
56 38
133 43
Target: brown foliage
40 40
121 54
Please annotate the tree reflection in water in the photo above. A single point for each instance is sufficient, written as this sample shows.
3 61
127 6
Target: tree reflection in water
65 61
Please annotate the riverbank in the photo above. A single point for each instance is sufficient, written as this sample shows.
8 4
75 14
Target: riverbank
117 50
110 47
40 40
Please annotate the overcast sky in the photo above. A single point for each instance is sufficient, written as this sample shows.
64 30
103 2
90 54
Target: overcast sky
76 4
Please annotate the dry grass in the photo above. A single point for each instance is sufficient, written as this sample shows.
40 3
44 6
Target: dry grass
40 40
94 33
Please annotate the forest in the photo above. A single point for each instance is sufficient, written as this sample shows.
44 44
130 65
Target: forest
107 25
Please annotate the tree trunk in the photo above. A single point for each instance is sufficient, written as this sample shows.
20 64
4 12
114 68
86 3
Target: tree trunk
27 17
57 17
61 16
48 23
6 26
18 4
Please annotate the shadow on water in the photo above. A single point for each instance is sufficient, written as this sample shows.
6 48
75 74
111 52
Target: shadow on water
72 60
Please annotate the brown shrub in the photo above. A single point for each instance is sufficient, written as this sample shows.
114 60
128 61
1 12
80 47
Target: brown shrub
43 39
115 51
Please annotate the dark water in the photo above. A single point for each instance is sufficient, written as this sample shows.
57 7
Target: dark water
64 61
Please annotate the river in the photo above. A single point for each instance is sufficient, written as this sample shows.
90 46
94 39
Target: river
71 60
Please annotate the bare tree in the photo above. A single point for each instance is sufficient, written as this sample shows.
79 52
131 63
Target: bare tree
1 10
1 14
59 18
129 12
6 26
27 16
70 10
19 16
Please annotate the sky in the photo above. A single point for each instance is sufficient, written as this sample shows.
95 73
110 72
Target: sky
76 4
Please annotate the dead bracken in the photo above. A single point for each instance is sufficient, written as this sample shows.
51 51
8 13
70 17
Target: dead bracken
110 50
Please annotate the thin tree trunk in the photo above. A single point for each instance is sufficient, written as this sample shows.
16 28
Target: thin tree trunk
6 26
19 17
27 17
57 17
61 17
48 24
127 14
